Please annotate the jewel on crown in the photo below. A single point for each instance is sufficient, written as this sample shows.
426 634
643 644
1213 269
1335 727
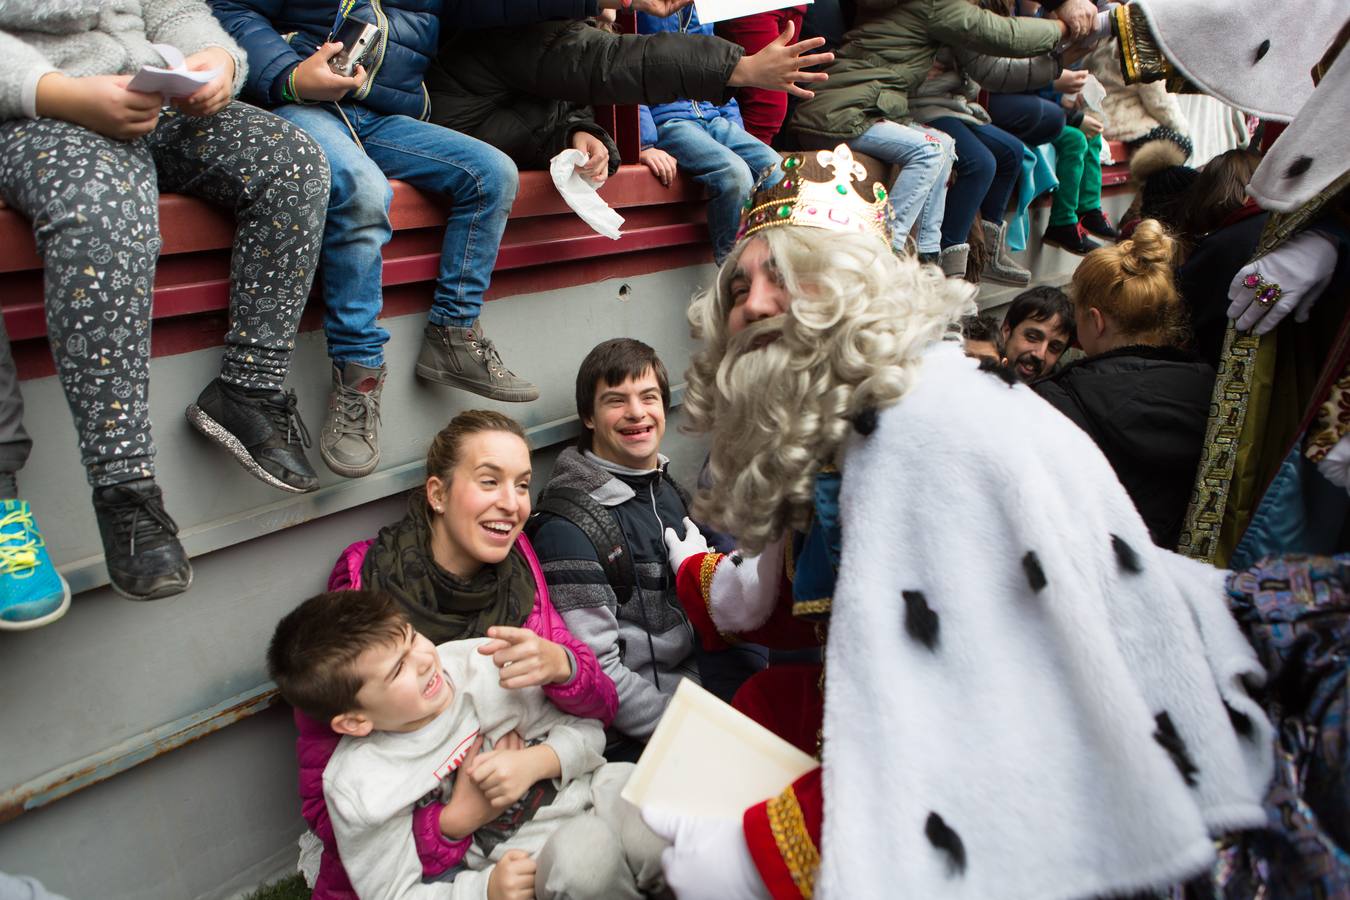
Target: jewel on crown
818 190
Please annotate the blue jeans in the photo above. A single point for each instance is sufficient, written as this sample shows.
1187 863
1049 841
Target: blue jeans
724 158
988 161
1030 118
480 178
920 190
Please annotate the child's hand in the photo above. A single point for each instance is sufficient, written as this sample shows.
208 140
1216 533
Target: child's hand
781 64
661 164
505 775
315 81
214 96
1091 126
512 877
1070 81
100 103
596 168
468 810
524 659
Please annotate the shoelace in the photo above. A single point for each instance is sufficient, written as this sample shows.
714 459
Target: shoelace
285 416
355 409
18 549
488 351
140 516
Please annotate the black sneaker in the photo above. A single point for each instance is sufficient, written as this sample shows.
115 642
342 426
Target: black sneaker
1095 222
140 541
1071 238
261 429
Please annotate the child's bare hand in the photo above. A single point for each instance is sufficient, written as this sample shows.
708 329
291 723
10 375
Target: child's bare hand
596 167
314 80
525 659
100 103
781 64
512 877
503 775
468 809
661 164
211 98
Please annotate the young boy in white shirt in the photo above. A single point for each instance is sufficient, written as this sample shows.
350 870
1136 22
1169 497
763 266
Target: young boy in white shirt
420 722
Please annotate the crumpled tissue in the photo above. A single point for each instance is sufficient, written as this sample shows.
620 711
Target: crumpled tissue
580 193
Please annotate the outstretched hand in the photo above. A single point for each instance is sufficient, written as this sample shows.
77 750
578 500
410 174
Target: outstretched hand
1079 17
781 64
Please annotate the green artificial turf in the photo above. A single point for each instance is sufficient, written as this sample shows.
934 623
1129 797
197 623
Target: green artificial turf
292 888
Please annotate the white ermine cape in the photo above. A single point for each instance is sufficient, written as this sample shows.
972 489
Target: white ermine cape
1024 697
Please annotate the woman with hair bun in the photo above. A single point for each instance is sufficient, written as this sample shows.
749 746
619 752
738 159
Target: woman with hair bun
1139 395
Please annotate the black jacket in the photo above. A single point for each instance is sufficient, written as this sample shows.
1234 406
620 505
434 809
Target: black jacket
1146 408
527 90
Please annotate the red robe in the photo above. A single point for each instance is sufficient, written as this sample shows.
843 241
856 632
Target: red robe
783 833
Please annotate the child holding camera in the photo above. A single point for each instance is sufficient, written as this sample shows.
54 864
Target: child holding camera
370 124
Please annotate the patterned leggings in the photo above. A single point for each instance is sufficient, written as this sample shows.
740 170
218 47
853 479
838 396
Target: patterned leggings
93 202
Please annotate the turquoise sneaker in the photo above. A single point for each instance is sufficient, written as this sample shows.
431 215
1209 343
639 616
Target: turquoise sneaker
32 592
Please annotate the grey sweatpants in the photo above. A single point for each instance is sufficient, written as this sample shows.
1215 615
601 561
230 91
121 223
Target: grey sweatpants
94 206
607 854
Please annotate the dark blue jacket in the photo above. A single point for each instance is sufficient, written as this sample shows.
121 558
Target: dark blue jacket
650 118
278 34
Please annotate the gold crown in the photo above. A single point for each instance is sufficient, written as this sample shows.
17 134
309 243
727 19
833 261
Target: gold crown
808 194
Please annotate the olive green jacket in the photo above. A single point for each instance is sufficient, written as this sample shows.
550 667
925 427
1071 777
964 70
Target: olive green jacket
888 52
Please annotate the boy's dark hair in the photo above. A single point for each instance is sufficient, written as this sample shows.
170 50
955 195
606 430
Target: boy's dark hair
1041 304
615 361
314 648
981 328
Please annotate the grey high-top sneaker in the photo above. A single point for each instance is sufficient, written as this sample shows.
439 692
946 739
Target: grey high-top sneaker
999 266
350 440
466 359
953 260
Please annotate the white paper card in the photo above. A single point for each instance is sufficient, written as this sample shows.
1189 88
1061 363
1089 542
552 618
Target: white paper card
707 759
710 11
176 80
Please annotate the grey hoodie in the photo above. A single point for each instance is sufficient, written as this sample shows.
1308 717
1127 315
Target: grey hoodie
647 646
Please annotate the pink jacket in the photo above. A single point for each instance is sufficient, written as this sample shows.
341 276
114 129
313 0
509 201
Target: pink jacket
590 694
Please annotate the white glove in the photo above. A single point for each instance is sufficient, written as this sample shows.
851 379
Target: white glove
1335 466
679 549
708 859
1301 268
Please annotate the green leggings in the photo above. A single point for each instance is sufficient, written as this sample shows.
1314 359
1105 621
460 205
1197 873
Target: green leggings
1078 166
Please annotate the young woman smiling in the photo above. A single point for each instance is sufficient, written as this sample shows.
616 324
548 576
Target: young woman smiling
459 565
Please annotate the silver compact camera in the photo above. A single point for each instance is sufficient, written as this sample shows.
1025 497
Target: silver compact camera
358 41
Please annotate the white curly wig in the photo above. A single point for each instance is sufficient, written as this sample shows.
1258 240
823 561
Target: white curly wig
777 398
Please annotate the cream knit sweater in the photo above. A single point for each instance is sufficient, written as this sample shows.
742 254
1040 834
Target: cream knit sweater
97 37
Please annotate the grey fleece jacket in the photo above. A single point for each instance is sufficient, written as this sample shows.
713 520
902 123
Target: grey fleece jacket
954 91
98 37
646 646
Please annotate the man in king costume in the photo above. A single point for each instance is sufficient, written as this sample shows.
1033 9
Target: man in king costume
1023 697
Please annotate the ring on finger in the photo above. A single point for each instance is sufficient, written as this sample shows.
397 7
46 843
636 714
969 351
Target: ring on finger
507 664
1267 292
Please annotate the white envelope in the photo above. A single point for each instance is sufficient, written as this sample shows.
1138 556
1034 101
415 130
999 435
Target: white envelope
580 193
176 80
710 11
